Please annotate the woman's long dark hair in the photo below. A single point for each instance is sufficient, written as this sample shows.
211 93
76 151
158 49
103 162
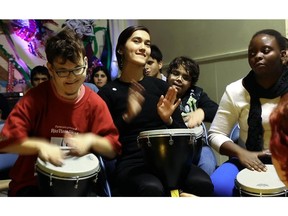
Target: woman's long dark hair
122 39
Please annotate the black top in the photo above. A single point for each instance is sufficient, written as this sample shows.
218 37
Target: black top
115 94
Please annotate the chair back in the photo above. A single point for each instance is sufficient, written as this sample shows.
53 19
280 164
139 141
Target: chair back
234 135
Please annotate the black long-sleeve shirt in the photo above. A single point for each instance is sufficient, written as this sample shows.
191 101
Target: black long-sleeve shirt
115 94
200 100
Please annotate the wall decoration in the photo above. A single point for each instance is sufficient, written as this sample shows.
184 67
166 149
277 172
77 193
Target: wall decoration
12 64
30 35
34 32
87 30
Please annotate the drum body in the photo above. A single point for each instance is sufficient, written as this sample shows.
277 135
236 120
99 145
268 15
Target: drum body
260 184
75 178
170 152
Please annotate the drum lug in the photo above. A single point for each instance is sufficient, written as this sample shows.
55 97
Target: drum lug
171 141
138 142
77 181
204 140
96 178
192 140
148 142
51 183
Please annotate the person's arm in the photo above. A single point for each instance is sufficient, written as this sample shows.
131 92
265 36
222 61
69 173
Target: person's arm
226 117
85 143
134 102
208 106
103 136
194 118
167 105
35 146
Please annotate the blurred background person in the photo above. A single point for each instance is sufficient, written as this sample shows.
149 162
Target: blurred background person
286 59
154 64
38 75
100 76
4 110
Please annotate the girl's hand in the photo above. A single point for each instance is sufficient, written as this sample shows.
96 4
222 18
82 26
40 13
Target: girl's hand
167 105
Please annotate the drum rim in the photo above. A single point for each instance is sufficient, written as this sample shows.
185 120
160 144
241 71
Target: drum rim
197 131
67 178
46 170
250 190
260 194
264 191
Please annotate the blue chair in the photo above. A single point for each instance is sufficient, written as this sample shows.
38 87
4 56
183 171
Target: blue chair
110 176
234 134
7 161
106 190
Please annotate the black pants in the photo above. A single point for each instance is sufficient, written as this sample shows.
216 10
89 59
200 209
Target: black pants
28 191
142 182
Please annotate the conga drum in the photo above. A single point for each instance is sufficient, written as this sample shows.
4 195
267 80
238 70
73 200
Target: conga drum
260 184
74 178
170 152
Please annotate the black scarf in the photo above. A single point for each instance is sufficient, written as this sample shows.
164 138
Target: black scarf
255 131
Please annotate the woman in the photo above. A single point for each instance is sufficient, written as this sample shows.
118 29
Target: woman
196 107
137 103
249 102
100 76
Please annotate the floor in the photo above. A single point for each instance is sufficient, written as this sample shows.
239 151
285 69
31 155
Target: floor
3 187
3 193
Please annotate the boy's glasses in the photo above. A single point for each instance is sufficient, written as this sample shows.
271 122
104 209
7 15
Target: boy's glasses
76 71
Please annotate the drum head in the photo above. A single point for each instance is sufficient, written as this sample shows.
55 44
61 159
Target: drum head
197 132
73 166
260 182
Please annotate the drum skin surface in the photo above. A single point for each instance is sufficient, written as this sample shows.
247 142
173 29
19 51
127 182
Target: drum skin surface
254 183
170 152
74 178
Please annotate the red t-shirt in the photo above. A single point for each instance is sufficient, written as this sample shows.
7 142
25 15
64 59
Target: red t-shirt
42 113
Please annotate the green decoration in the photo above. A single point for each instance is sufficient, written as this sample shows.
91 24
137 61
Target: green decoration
16 65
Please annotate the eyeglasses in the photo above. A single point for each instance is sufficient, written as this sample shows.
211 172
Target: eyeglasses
76 71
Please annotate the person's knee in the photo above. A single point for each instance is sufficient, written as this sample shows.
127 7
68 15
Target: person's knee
203 188
152 188
207 161
223 179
